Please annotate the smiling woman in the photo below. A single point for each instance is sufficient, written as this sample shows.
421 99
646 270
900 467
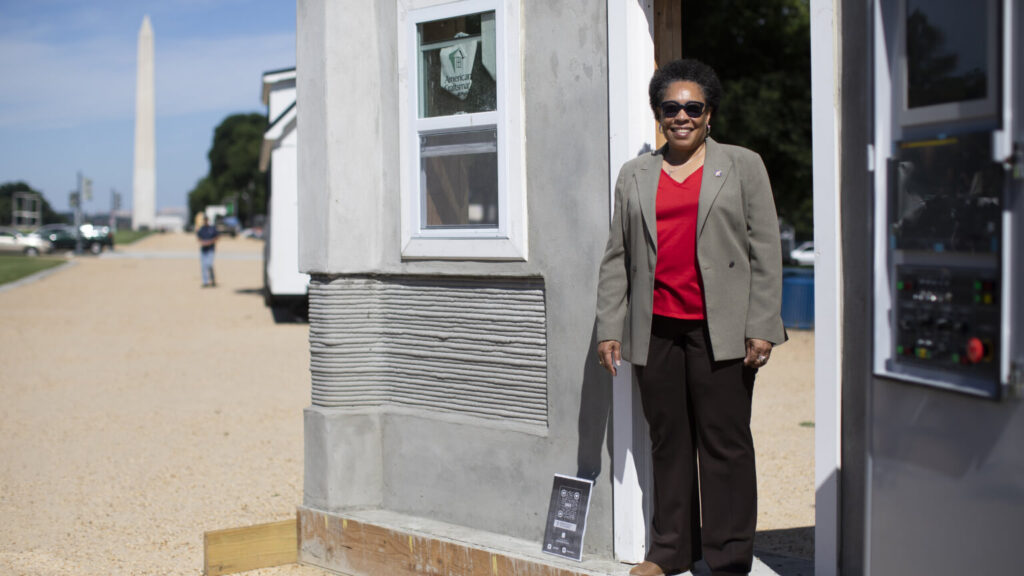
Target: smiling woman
695 308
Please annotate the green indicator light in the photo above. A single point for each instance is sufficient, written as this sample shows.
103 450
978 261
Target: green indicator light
977 298
956 358
899 349
977 285
899 285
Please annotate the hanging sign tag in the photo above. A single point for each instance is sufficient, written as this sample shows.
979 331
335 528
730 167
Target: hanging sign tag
457 66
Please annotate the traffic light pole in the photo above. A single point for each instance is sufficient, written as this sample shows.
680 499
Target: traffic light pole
78 215
115 205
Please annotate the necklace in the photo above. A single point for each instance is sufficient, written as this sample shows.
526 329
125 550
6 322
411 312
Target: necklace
698 156
677 168
673 169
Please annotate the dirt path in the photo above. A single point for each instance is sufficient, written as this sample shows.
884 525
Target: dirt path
139 410
783 426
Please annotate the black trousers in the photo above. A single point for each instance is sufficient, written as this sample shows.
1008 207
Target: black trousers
698 407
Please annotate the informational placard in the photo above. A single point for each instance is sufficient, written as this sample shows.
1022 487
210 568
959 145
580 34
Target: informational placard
567 517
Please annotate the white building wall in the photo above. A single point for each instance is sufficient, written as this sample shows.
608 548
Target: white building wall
282 96
283 276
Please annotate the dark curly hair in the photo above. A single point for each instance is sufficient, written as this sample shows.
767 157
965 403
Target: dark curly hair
686 70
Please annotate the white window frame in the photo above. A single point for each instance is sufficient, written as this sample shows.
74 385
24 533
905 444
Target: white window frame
507 241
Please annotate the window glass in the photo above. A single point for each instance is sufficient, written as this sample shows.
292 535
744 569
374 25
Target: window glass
946 62
459 179
457 66
948 195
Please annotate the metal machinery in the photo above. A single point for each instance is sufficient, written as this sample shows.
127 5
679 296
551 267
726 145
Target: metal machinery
935 466
943 304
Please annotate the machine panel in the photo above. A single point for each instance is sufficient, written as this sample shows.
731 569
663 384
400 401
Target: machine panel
947 196
948 319
945 232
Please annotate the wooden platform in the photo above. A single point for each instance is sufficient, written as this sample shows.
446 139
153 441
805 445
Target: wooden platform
372 542
381 542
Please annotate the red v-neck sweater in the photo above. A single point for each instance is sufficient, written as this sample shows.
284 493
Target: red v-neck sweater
677 284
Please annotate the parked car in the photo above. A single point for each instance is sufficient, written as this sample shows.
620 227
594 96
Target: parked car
14 241
97 238
63 237
803 254
60 236
228 225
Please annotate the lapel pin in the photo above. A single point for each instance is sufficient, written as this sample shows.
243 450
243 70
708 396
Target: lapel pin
718 173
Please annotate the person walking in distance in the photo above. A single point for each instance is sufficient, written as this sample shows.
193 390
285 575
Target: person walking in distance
207 235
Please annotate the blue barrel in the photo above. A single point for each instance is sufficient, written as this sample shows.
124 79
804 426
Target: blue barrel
798 298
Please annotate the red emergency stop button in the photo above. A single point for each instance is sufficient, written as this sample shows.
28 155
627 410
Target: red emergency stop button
975 350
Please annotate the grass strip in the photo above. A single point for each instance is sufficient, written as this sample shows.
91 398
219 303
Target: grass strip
122 237
17 267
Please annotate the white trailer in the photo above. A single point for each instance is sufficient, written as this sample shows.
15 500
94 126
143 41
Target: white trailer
283 284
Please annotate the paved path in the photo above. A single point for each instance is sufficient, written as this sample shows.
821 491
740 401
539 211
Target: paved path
138 410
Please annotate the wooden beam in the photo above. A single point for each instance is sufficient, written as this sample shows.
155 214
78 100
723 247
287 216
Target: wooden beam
668 30
240 549
668 40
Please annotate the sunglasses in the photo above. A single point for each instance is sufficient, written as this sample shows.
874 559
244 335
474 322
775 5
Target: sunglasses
693 109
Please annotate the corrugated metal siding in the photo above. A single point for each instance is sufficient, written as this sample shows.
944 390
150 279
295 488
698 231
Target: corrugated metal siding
470 346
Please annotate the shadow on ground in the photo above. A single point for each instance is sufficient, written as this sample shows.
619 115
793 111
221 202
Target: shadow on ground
797 542
789 552
291 311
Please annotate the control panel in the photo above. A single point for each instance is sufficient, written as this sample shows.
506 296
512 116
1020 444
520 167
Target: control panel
948 205
948 319
945 233
948 196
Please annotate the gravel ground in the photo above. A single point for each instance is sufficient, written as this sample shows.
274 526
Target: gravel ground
783 426
139 411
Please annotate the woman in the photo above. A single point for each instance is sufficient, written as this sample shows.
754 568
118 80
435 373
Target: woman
690 293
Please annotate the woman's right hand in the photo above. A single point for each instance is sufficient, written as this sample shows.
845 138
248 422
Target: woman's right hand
609 356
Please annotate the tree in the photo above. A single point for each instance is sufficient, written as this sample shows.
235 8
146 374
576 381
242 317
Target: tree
7 191
234 176
762 53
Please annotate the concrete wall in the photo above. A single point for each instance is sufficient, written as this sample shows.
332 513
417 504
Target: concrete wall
490 474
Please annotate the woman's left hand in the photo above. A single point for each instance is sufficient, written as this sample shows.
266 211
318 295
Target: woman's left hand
758 352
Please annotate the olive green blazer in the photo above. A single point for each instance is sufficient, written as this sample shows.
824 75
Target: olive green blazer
738 251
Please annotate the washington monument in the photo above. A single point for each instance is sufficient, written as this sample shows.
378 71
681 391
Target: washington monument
144 180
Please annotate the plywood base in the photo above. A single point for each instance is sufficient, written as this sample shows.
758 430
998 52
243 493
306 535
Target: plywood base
240 549
380 542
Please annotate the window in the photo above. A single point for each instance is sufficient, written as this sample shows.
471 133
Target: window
461 131
950 61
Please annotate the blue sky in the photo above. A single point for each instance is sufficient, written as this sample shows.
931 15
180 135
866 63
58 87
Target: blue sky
67 94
